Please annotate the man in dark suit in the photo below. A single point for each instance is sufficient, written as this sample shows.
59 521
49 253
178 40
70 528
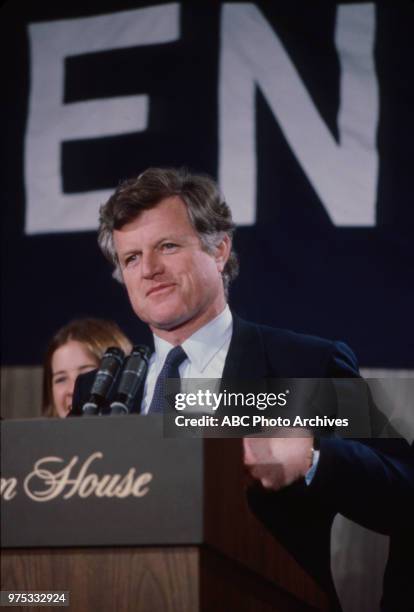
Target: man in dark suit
169 236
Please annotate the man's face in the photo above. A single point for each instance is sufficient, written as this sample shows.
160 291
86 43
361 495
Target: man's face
171 281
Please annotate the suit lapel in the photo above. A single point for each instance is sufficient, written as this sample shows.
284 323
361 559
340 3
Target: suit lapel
246 358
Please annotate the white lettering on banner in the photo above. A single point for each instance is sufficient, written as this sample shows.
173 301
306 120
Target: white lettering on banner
343 175
44 484
50 122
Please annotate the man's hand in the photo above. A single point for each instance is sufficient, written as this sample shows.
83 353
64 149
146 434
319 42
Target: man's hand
278 462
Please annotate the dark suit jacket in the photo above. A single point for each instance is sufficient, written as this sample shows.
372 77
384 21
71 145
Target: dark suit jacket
369 481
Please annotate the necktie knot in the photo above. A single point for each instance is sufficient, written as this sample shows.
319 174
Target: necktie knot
175 357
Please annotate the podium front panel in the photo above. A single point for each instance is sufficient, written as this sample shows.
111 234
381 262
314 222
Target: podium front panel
104 481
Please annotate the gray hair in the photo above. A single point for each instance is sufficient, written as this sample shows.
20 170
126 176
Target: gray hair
208 212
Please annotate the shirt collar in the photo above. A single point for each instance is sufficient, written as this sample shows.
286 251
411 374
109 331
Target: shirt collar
204 344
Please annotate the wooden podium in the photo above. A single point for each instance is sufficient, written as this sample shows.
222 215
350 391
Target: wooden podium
125 519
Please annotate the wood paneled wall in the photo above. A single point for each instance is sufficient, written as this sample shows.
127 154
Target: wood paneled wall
21 392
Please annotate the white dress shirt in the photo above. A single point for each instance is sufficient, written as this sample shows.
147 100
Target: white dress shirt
206 353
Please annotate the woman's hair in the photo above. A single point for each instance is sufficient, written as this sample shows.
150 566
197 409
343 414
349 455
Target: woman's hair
95 334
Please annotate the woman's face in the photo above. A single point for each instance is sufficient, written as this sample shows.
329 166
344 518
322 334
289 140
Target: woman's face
68 361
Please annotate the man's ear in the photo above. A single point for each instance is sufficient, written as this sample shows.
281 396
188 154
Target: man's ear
223 252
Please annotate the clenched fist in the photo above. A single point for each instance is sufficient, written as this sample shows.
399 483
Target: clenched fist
278 462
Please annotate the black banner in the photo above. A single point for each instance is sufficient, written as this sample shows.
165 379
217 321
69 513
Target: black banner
302 111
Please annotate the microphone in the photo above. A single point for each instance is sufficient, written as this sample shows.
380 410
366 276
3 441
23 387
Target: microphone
133 374
109 367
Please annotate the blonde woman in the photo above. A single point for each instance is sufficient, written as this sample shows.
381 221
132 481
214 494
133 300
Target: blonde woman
75 349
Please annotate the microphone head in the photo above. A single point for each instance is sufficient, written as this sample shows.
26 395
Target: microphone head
132 376
105 377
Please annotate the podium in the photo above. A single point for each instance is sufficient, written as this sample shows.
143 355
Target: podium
126 519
